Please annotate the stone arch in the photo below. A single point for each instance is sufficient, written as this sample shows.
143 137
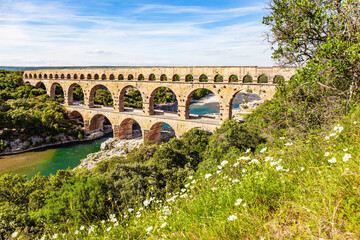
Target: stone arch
82 76
30 76
40 76
218 78
263 79
242 96
35 76
155 132
45 76
89 76
92 94
26 76
78 97
189 97
96 77
247 79
279 79
189 78
112 77
163 77
103 77
233 78
152 77
152 99
68 76
122 95
40 85
75 76
96 122
127 129
141 77
55 90
176 78
203 78
76 117
130 77
62 76
56 76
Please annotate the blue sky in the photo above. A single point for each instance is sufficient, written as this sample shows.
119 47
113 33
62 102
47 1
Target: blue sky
133 33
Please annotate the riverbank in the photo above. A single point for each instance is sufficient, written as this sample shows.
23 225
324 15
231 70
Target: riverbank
34 143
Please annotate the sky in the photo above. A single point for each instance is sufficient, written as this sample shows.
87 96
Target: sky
133 33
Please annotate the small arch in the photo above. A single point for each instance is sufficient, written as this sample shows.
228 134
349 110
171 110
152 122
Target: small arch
26 76
163 98
82 76
218 78
130 77
193 107
279 79
76 118
203 78
75 76
35 76
100 95
51 76
100 122
96 76
57 92
263 79
189 78
176 78
129 129
30 76
56 76
45 76
40 76
112 77
130 96
160 132
103 77
68 76
89 76
163 77
152 77
247 79
121 77
62 76
141 77
233 78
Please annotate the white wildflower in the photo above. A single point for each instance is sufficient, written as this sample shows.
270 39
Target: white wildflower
268 159
218 171
163 225
193 181
76 232
138 214
244 170
243 158
108 229
248 150
345 149
186 185
14 234
184 195
219 167
254 161
232 217
235 180
355 122
149 229
346 157
238 202
55 236
103 221
302 169
223 163
282 138
116 224
244 205
146 202
273 163
327 138
130 209
190 177
327 154
207 175
235 164
332 160
278 168
214 189
288 144
338 128
82 228
332 134
263 150
91 229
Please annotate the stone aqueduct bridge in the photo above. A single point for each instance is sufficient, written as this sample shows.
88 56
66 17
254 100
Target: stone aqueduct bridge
224 82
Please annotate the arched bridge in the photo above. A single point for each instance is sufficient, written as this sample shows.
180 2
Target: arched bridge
224 82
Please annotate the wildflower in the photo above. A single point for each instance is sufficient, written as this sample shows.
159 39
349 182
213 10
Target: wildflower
130 209
263 150
282 138
332 134
223 163
244 170
273 163
112 218
186 185
244 205
146 202
268 159
355 122
235 180
14 234
214 189
248 150
43 237
225 177
219 167
288 144
55 236
254 161
235 164
190 177
76 232
326 154
163 225
116 224
184 195
279 168
218 171
91 229
332 160
193 181
346 157
207 175
238 202
149 229
103 221
138 214
108 229
232 217
338 128
345 149
327 138
82 228
302 169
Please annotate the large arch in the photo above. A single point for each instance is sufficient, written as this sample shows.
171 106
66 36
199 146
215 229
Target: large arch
96 123
40 85
76 117
125 94
106 99
164 98
128 129
157 132
243 100
199 94
57 92
75 94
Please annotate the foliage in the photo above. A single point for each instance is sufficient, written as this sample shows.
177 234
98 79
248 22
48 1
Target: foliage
200 93
103 97
164 95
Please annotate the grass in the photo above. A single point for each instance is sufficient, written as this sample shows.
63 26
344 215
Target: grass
286 190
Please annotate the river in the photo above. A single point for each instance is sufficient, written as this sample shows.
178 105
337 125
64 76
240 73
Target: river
48 161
